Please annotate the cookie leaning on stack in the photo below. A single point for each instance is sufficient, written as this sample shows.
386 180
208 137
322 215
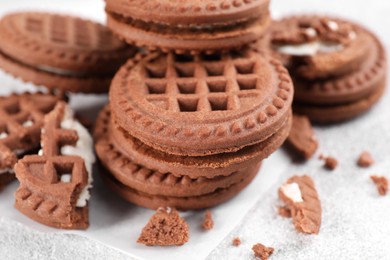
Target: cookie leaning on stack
189 131
60 52
338 67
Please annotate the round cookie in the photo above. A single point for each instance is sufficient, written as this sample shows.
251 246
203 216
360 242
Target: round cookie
60 52
108 132
188 26
183 203
203 104
338 67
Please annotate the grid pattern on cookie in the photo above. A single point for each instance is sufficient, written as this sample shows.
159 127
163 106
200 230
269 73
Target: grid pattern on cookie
202 83
69 31
20 122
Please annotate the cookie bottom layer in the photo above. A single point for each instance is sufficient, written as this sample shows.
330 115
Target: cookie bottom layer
54 81
183 203
339 113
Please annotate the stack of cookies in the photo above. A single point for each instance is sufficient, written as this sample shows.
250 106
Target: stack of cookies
189 124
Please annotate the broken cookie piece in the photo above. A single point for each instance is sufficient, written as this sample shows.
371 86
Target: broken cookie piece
381 183
331 163
165 228
365 160
208 222
54 185
236 241
301 199
262 251
302 138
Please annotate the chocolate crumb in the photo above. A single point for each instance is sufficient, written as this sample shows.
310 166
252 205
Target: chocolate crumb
236 241
330 163
365 160
208 222
165 228
262 251
284 212
381 183
302 138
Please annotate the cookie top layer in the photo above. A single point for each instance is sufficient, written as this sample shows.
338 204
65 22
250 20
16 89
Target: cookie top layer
330 59
21 120
188 12
202 104
61 44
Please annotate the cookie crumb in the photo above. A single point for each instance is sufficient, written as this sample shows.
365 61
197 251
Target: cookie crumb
284 212
302 138
365 160
262 251
331 163
236 241
208 222
165 228
381 183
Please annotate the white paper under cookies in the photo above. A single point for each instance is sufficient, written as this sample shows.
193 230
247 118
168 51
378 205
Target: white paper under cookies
356 220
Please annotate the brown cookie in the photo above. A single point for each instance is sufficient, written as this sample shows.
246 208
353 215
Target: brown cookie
110 137
21 119
262 252
338 67
165 228
60 52
54 185
188 26
203 104
300 197
183 203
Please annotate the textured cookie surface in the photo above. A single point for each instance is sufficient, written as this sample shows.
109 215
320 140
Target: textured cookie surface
43 47
203 104
188 26
21 119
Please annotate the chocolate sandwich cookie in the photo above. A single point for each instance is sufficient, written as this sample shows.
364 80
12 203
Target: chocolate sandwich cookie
188 26
54 185
194 166
199 105
21 119
338 67
60 52
144 169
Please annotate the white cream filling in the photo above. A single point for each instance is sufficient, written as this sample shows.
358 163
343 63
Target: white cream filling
292 191
28 123
3 135
334 26
6 170
309 49
83 148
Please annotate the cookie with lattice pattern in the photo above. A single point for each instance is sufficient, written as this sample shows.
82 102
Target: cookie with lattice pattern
60 52
54 185
21 119
188 26
202 104
339 68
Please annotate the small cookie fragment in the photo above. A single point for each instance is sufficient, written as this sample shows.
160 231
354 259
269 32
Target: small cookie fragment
236 241
301 200
208 222
331 163
165 228
302 138
381 183
365 160
262 251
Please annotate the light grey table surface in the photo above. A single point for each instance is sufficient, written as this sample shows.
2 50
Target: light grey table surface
354 218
